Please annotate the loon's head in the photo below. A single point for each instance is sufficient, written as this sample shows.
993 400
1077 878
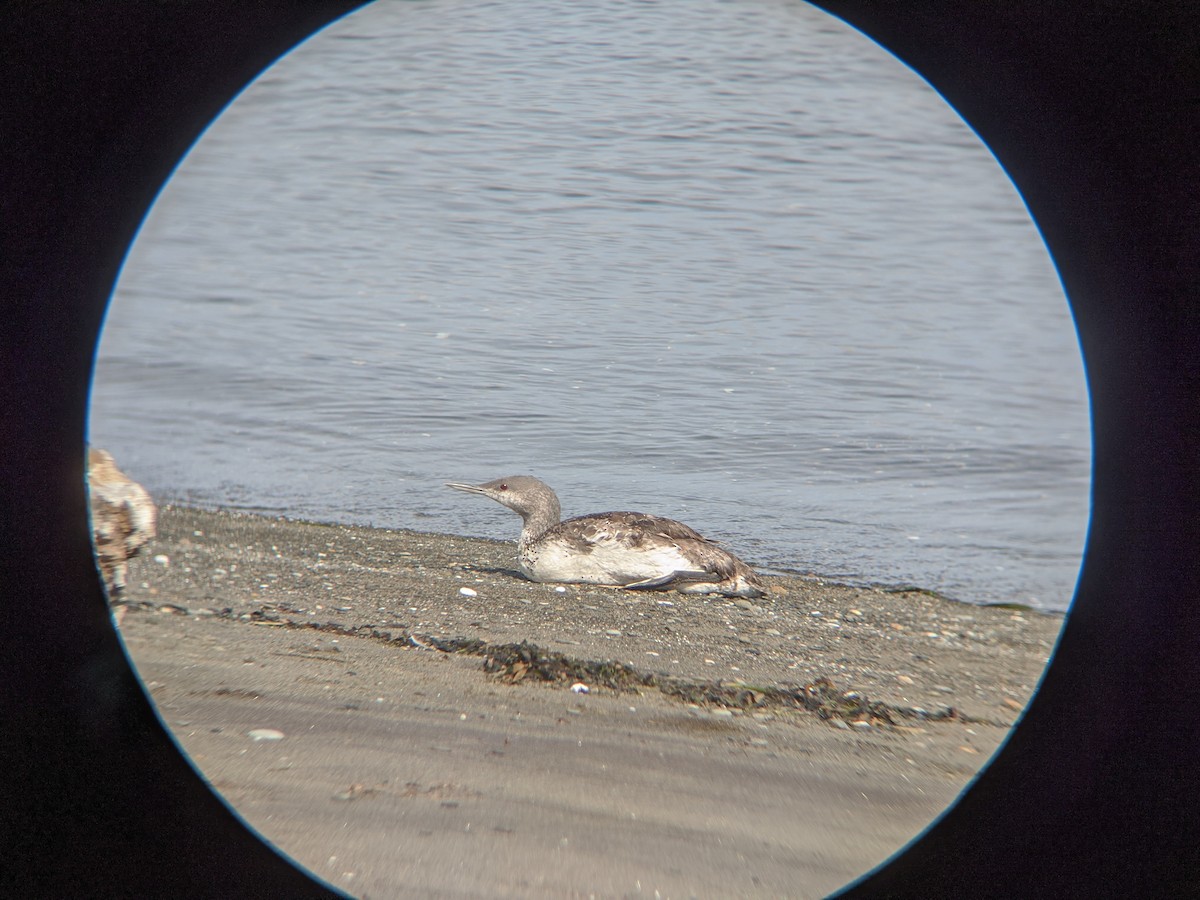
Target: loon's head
523 494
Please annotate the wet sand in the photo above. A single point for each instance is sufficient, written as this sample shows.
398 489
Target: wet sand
394 711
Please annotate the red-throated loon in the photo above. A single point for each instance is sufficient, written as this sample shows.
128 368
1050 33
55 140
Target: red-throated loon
625 549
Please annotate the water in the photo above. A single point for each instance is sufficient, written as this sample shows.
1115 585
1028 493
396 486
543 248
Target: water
725 261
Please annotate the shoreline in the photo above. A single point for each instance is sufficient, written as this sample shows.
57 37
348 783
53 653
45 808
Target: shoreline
764 570
412 685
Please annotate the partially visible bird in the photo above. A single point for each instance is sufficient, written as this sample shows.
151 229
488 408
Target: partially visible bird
626 549
124 517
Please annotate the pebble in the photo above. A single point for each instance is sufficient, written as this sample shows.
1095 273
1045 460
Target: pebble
162 559
468 592
722 714
560 589
612 632
265 734
353 793
580 688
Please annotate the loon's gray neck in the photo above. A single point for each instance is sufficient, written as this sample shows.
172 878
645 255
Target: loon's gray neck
539 520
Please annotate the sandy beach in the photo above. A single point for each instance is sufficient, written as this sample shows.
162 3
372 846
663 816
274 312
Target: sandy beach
395 712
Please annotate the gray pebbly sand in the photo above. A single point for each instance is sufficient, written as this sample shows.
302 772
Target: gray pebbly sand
392 768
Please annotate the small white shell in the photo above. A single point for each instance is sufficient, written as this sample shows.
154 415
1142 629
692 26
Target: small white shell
468 592
580 688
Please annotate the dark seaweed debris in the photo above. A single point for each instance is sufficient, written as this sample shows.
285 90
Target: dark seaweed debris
527 662
519 662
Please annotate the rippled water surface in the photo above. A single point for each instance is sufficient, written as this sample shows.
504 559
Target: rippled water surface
725 261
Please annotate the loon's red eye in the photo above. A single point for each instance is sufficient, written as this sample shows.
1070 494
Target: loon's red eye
504 487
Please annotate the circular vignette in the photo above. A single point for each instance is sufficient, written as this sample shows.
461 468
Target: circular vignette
1085 113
